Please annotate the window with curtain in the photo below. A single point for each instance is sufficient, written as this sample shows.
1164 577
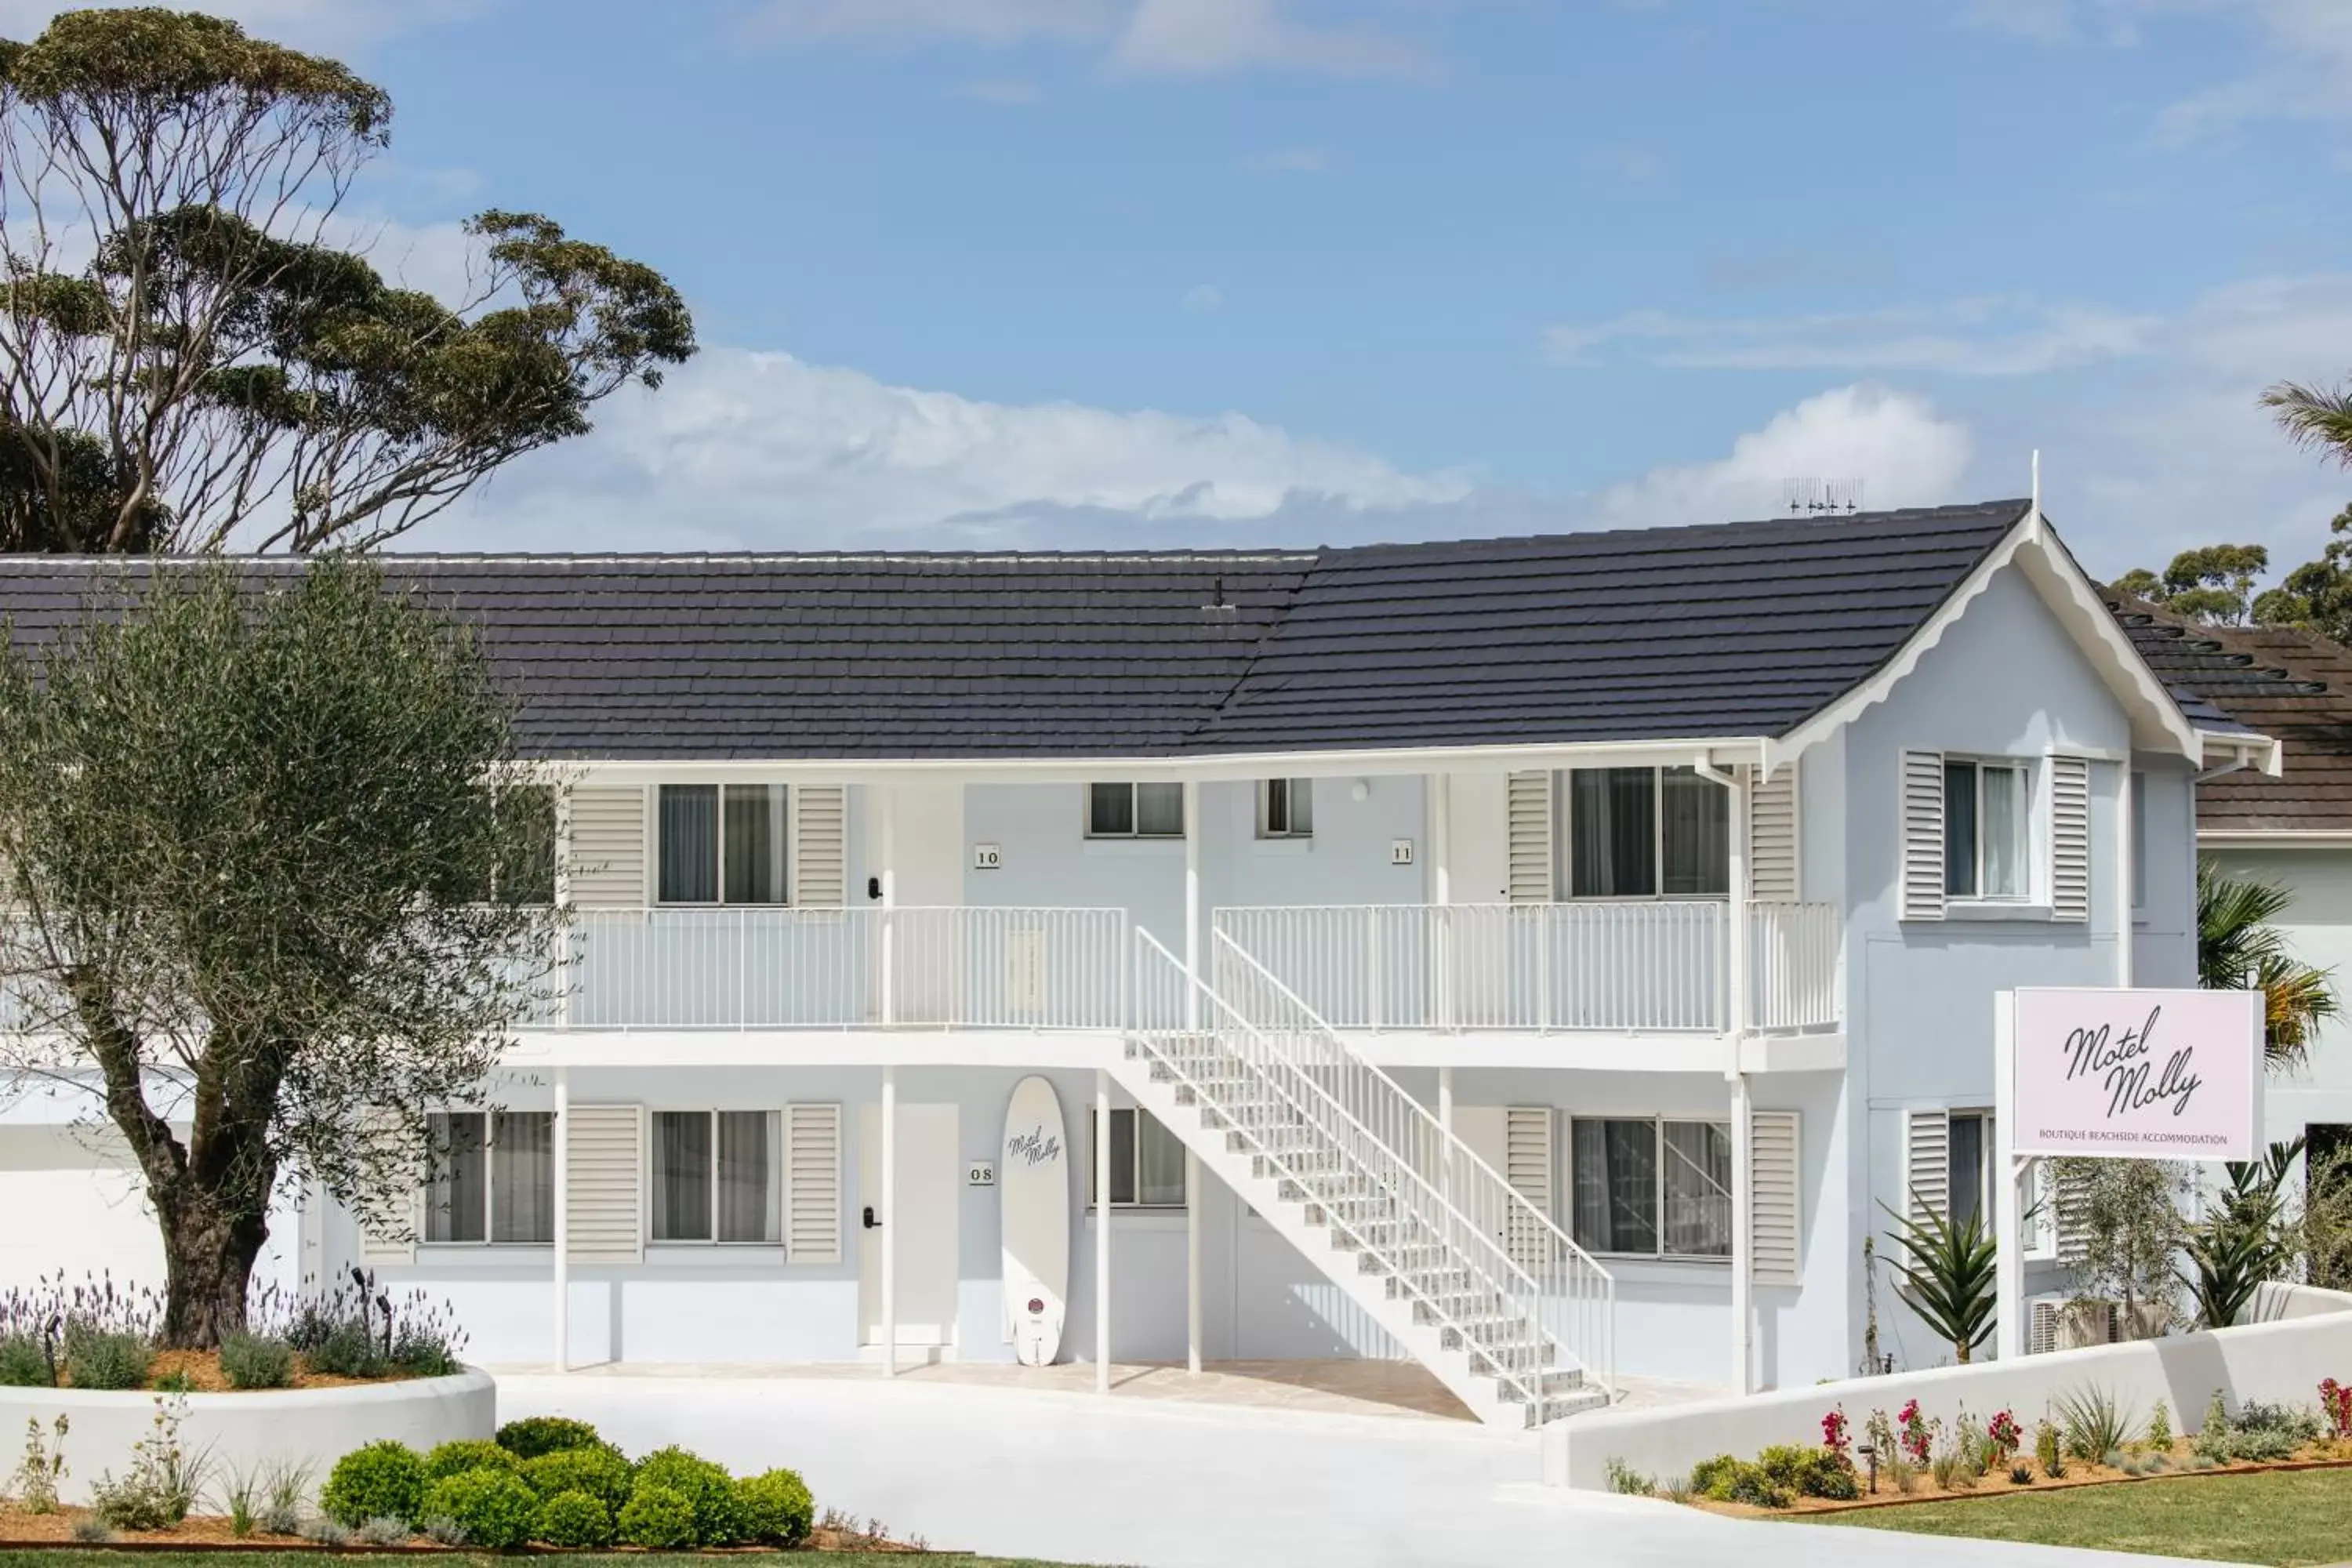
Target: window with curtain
1135 811
1986 808
1147 1161
1649 1186
716 1177
723 844
491 1177
1286 808
1968 1151
1640 833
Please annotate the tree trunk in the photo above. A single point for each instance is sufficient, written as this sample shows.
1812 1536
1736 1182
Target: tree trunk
208 1267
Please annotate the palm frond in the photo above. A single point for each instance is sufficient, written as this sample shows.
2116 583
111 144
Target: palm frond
2314 416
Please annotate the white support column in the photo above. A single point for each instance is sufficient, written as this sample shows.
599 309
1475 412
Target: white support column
2008 1205
2124 872
1191 1262
1441 880
1191 903
1102 1229
890 1221
1743 1183
889 794
562 1219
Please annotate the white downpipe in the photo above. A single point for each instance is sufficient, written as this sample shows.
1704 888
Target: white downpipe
1192 1261
1102 1231
1192 828
889 900
562 1219
2124 872
890 1221
1734 1011
2009 1208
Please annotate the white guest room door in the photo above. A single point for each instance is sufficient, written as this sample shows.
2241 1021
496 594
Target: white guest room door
930 1171
930 945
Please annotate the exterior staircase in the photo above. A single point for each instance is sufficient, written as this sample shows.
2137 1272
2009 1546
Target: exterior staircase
1472 1280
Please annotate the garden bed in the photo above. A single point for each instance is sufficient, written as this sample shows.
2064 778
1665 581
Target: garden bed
1995 1484
217 1534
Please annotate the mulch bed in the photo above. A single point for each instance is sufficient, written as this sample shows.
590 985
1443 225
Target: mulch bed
207 1532
202 1369
2324 1456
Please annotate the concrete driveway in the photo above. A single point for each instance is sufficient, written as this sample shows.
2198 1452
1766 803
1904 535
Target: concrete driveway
1075 1477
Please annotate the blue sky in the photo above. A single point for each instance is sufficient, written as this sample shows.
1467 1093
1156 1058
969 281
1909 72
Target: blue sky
1083 272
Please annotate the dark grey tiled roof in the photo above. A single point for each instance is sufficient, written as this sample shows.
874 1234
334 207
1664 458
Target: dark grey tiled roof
1737 629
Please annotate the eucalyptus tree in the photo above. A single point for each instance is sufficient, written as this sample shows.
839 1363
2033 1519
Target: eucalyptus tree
195 352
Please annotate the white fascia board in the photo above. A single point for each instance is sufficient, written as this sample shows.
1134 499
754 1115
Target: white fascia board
2257 838
2157 723
1207 769
2263 753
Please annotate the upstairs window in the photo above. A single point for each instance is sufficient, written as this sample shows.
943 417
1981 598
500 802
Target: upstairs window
1286 808
1645 833
723 844
1984 829
1135 811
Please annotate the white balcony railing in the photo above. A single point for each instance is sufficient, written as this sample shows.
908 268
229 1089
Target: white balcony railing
1635 967
845 969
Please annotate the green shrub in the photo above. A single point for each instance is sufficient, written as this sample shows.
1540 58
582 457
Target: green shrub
717 1520
22 1362
492 1507
424 1350
2261 1445
535 1435
775 1508
2095 1423
2048 1452
348 1350
100 1360
383 1480
1726 1479
1827 1473
600 1471
1783 1465
2159 1428
658 1518
1707 1473
257 1360
454 1458
574 1519
2297 1423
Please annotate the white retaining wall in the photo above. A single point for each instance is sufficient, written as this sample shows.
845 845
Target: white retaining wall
243 1433
2295 1337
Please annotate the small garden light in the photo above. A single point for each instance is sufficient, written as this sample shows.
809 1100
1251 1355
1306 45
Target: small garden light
1868 1454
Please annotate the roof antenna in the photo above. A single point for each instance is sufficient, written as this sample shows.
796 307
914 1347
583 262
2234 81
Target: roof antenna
1821 497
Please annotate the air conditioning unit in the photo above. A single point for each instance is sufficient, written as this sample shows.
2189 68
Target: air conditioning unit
2057 1322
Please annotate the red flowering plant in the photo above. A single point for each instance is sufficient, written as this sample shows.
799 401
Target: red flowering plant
1833 1432
2335 1401
2005 1433
1916 1438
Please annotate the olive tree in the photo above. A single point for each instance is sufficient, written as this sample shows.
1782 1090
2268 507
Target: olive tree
194 354
278 883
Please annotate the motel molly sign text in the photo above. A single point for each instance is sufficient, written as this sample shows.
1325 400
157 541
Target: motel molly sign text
2139 1075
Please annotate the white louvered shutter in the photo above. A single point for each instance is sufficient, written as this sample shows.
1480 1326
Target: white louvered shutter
2070 838
1528 1167
2070 1195
1529 826
1775 1256
604 859
1927 1164
1772 837
1923 836
820 852
604 1206
393 1238
813 1183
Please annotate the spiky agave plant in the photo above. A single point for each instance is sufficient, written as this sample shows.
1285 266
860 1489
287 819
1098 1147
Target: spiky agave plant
1947 1270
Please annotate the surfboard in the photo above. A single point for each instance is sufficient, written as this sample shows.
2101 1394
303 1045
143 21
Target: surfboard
1032 1186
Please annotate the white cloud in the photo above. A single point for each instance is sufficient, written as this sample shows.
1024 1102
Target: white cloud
1993 335
1203 299
304 24
1176 37
741 450
1897 445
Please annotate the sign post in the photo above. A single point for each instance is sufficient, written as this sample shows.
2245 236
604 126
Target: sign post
2118 1075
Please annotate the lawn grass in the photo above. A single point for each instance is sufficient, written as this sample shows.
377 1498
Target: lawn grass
2288 1518
84 1558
